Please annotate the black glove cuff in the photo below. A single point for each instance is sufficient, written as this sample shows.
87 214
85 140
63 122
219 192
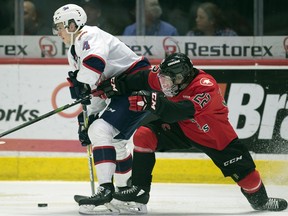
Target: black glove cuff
78 89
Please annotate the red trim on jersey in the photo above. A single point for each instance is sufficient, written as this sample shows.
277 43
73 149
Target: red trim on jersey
133 65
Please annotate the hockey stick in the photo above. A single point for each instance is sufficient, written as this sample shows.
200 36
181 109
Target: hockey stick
39 118
89 151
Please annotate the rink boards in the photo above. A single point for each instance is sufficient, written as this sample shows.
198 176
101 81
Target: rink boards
31 89
172 167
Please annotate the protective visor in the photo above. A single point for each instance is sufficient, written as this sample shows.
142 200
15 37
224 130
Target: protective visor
167 85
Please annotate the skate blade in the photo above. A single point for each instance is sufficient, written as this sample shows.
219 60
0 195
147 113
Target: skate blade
106 209
130 208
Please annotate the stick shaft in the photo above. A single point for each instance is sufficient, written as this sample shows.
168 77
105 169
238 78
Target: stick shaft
39 118
89 152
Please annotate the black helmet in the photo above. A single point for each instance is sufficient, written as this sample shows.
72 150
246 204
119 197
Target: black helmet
176 72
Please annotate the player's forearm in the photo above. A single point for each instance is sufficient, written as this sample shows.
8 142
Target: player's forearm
138 81
173 112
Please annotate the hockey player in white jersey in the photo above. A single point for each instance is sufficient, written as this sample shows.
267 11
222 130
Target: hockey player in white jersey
95 55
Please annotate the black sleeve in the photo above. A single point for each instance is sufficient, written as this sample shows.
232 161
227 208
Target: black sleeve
171 112
138 81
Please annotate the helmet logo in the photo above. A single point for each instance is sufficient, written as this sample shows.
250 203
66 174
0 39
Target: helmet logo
206 82
174 62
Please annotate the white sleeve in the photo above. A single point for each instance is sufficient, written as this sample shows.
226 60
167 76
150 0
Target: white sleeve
96 106
87 76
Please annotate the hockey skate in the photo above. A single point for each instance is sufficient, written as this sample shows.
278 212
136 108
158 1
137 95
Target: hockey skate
77 198
261 202
273 204
98 204
132 200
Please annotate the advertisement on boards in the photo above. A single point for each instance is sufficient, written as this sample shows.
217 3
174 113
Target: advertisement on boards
257 100
155 47
258 106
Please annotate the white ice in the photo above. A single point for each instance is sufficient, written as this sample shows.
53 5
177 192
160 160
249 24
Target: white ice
20 198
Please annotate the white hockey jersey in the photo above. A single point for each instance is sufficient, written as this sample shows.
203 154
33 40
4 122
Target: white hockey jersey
99 55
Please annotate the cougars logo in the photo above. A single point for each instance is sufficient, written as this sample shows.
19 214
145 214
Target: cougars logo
206 82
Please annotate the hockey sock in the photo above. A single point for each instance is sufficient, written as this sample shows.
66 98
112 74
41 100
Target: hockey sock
253 189
258 198
123 171
143 164
105 163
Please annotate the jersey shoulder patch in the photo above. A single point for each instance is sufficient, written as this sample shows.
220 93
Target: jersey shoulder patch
206 81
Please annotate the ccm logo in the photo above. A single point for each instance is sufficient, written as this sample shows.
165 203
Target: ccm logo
233 160
154 100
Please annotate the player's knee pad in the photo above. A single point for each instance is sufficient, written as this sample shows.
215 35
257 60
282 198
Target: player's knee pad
101 133
251 183
145 140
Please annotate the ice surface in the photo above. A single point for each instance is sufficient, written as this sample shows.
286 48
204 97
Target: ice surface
20 198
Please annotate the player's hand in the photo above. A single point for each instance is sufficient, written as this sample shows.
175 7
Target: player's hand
144 100
78 89
82 131
111 87
83 137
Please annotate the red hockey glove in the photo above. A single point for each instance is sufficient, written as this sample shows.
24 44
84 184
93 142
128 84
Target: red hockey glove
144 100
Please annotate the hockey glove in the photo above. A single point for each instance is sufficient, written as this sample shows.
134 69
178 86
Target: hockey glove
111 87
144 100
78 89
82 131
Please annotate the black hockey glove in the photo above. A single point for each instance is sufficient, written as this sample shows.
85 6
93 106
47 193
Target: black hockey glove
82 131
145 100
111 87
78 89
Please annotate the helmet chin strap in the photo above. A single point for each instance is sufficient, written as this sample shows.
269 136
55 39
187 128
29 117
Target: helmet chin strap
72 35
